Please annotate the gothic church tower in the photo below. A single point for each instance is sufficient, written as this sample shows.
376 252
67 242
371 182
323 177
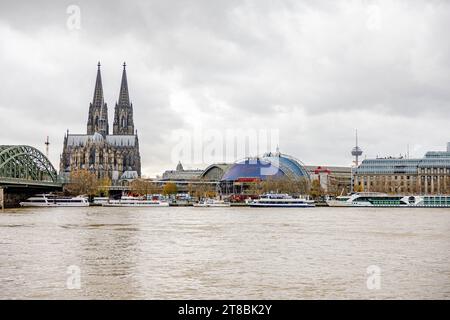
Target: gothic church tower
123 112
98 110
113 156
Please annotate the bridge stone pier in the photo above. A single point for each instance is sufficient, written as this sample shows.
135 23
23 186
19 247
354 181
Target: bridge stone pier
24 171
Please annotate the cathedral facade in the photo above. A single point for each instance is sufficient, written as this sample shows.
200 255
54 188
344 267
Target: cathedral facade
114 156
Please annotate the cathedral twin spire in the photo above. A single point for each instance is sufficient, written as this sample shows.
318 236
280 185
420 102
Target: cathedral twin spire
123 112
124 98
98 110
98 91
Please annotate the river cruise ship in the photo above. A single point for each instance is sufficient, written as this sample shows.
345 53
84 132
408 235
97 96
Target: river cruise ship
212 203
51 200
375 199
275 200
128 201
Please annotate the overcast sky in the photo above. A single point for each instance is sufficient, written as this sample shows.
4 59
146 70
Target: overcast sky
314 70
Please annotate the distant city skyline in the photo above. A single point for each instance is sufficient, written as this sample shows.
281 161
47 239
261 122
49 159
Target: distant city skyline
313 70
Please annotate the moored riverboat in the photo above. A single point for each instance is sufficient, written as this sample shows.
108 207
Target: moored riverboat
276 200
377 199
52 200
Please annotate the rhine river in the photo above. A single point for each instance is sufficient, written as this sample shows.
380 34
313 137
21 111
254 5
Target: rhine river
225 253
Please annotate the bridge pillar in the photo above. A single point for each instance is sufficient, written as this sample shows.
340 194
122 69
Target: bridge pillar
2 205
12 196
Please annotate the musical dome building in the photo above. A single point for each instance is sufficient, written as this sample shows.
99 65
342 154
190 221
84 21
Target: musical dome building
273 165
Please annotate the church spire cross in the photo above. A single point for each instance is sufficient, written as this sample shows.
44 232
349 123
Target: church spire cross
98 91
124 97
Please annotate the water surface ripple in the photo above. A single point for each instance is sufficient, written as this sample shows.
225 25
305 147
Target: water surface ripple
224 253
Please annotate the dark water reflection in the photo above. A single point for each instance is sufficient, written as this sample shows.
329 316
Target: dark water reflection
177 253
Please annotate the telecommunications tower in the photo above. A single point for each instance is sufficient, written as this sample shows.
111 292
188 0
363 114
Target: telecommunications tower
357 151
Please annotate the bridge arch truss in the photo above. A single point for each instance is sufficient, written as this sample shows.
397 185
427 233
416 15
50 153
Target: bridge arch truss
25 163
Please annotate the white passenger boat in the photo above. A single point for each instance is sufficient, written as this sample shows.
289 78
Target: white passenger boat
339 201
277 200
127 201
212 203
376 199
100 200
50 200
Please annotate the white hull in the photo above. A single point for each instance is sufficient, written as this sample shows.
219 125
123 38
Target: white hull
281 205
49 200
280 201
28 204
212 203
217 205
137 204
381 200
335 203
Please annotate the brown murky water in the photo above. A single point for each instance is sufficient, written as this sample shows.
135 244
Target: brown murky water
224 253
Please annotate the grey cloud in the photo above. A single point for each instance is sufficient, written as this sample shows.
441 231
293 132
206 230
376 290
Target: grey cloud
313 69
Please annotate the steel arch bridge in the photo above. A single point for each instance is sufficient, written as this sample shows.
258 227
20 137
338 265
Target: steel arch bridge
25 165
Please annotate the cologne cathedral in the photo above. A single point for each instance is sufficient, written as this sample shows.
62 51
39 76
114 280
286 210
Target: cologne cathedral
114 156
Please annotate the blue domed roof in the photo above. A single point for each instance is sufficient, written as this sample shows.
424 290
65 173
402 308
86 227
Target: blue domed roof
270 165
252 168
289 165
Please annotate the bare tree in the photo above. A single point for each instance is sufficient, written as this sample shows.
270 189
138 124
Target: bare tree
82 182
285 185
170 188
143 187
316 189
